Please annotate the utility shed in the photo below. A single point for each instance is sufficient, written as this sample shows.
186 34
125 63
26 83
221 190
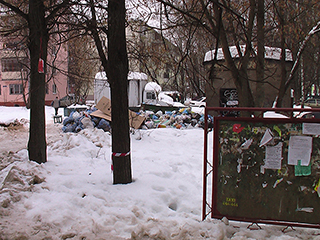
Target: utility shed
136 81
221 90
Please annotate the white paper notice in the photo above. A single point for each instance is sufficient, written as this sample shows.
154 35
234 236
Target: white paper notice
267 137
311 128
300 148
273 157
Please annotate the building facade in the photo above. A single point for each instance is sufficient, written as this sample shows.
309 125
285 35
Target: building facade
15 77
221 90
150 52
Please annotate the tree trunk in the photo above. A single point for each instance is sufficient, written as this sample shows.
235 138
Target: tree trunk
38 41
282 87
243 88
118 78
260 56
239 76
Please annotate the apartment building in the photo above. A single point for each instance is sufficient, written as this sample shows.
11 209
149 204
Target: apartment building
14 72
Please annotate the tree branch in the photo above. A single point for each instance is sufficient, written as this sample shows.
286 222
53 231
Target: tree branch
15 9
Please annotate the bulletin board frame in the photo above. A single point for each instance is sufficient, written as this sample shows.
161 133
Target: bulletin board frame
244 190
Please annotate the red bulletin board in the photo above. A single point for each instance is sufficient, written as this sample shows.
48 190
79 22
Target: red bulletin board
265 170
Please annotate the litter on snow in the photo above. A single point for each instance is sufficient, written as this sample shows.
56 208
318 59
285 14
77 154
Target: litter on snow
100 117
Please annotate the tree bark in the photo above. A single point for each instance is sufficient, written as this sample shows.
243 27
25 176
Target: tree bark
118 78
282 88
239 75
260 55
38 41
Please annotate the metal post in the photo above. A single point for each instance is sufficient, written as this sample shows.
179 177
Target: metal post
205 159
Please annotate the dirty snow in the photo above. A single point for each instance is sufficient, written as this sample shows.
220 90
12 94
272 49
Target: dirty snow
72 195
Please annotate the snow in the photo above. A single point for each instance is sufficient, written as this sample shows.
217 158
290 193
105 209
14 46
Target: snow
301 114
131 76
147 12
271 114
137 75
152 86
270 53
72 196
165 98
78 106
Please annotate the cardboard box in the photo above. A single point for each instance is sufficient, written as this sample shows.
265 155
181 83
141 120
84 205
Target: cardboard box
100 114
104 105
104 111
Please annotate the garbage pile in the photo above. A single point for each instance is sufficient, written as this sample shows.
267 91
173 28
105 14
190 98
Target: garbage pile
181 119
78 121
184 118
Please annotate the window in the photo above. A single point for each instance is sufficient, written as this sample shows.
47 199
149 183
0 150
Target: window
12 64
16 89
54 88
151 95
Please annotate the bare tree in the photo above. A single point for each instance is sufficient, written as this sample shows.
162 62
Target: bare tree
37 18
84 63
114 61
117 70
302 47
299 21
159 49
248 22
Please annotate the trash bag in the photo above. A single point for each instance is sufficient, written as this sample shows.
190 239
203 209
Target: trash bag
95 121
69 127
104 125
68 120
87 123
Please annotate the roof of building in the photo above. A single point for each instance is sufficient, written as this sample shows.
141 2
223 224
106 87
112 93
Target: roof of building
152 86
131 76
270 53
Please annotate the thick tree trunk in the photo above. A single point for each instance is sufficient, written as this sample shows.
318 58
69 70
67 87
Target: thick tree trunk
117 75
244 91
282 87
38 40
239 76
260 86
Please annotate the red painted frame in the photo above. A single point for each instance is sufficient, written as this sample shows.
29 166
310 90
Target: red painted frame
213 170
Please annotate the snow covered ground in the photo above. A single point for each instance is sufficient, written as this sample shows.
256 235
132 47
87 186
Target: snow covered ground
72 195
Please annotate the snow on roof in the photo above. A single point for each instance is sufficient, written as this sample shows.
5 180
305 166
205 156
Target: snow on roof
270 53
165 98
152 86
137 75
101 76
131 76
79 106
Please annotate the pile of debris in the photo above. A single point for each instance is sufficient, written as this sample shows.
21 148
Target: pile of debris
100 117
16 124
78 121
184 118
